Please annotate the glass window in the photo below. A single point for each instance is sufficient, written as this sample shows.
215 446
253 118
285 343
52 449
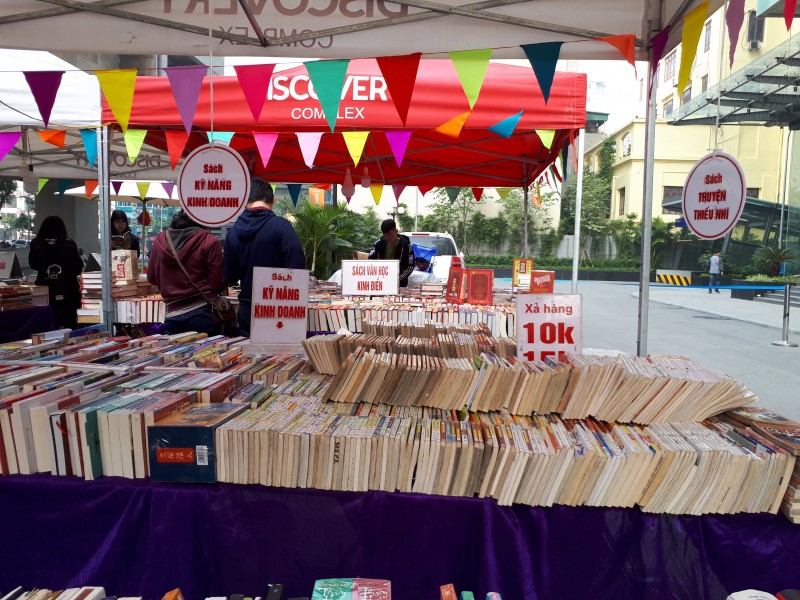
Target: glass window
673 194
669 66
755 27
707 37
686 95
752 192
444 246
703 83
626 144
621 193
668 108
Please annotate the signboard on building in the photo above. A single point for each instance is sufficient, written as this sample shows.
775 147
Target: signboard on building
548 325
370 277
714 195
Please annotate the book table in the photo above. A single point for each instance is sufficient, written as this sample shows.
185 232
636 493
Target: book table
135 537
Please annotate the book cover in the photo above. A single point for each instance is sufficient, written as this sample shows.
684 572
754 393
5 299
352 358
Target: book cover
456 286
332 589
521 272
479 286
542 282
447 592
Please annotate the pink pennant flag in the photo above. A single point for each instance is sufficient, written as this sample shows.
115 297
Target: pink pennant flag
424 189
168 187
117 185
734 17
8 139
309 145
398 142
265 142
186 83
44 87
397 189
254 81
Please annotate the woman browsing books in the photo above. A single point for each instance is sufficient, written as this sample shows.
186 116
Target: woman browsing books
122 237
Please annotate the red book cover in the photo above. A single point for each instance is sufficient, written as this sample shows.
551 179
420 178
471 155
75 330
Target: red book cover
542 282
456 286
479 286
447 592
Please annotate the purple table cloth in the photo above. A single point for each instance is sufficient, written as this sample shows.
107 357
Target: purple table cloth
143 538
20 324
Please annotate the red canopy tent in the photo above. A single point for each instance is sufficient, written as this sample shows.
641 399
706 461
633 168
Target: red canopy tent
478 157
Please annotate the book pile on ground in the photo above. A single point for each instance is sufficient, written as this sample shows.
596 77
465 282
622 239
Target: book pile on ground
333 589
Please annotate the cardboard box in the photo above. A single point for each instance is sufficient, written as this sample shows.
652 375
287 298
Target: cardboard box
124 264
542 282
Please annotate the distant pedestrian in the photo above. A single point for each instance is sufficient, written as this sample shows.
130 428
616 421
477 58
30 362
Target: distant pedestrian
714 272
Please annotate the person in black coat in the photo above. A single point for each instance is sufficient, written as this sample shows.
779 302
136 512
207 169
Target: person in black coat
55 258
394 246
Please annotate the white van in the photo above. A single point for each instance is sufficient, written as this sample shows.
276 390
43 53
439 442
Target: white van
447 253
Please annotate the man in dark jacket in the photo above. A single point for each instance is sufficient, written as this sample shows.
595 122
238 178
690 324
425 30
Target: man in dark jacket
394 246
259 238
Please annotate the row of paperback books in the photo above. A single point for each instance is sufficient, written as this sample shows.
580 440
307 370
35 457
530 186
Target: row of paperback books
14 294
135 311
620 388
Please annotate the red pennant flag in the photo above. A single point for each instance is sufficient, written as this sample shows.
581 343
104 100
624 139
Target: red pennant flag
424 189
53 136
789 6
176 142
400 74
90 185
44 87
254 81
477 192
625 44
144 218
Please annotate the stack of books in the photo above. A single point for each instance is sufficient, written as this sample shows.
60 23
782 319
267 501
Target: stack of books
14 295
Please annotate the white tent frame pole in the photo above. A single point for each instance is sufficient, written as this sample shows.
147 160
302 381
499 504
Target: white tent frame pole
576 234
784 196
104 212
647 214
525 248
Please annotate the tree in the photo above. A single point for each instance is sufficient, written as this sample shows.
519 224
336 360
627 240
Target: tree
774 258
452 216
539 221
8 191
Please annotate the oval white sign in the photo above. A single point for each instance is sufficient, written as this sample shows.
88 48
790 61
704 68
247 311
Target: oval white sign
714 195
214 184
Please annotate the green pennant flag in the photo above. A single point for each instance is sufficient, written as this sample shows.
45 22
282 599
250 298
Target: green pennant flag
452 193
133 142
471 67
546 135
42 182
503 192
328 77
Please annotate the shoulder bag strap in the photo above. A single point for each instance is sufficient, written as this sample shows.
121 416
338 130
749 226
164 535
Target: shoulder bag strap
180 264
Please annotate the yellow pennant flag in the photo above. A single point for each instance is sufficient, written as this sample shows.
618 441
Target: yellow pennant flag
143 187
117 86
546 135
377 192
503 192
355 141
133 142
692 28
454 126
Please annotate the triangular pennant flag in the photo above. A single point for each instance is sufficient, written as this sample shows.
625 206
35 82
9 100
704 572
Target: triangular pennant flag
424 189
168 188
398 142
89 137
144 218
134 138
658 43
328 78
789 7
452 193
503 192
42 182
274 187
556 174
734 17
254 81
186 83
625 43
44 87
309 144
547 179
454 126
692 28
265 142
176 142
546 135
543 59
377 191
63 186
397 189
220 136
117 86
294 191
89 186
535 195
143 187
117 185
574 156
8 139
400 75
477 192
57 137
355 140
471 68
507 126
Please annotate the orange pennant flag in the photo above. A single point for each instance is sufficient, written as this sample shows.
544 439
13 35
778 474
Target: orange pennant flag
625 44
117 86
57 137
176 142
454 126
90 185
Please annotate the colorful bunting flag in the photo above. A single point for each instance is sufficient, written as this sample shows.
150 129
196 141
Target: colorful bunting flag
454 126
144 218
506 127
117 185
42 182
424 189
328 77
376 189
134 138
176 142
397 189
503 192
117 86
254 81
789 7
143 187
478 193
535 196
294 191
546 135
44 87
89 186
692 28
63 186
168 188
471 68
452 192
734 17
398 142
265 143
220 136
400 75
186 83
8 139
657 45
543 59
309 145
57 137
89 137
355 140
625 43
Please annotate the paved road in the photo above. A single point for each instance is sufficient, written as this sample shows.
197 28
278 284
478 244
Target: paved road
733 336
